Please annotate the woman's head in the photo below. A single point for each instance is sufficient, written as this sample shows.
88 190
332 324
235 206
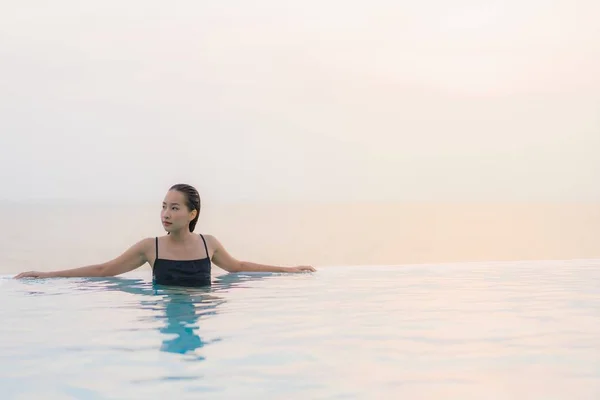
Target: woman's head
181 207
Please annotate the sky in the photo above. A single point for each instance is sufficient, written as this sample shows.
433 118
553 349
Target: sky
400 100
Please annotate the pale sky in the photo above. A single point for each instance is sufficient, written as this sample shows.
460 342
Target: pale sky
434 100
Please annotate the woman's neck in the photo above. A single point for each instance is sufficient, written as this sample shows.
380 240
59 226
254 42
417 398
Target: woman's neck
181 236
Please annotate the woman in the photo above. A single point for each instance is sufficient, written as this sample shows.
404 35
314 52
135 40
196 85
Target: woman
180 258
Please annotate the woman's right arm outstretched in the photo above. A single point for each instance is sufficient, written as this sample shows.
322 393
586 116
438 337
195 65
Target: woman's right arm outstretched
132 258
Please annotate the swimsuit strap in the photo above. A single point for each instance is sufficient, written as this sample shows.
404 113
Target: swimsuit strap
205 248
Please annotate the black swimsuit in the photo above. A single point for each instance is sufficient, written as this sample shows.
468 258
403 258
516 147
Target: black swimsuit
182 273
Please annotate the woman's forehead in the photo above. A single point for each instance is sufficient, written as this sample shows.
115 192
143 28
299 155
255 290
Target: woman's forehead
174 197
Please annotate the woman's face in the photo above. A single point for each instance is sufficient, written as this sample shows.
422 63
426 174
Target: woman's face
175 215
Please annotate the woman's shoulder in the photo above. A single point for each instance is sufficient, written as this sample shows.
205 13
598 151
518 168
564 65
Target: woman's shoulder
211 240
146 243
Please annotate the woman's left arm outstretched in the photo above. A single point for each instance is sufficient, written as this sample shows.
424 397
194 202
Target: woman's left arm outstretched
224 260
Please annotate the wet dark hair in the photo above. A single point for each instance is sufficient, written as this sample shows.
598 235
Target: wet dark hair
192 200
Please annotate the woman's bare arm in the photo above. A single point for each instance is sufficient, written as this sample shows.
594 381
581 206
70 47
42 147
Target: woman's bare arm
230 264
132 258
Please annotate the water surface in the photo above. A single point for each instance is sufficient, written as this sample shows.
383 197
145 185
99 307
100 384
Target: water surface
526 330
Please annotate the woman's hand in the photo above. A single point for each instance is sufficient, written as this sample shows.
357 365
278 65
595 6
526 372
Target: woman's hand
33 274
302 268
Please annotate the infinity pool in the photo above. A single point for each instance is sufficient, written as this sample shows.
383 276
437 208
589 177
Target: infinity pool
527 330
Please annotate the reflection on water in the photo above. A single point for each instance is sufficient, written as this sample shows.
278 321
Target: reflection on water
182 311
179 308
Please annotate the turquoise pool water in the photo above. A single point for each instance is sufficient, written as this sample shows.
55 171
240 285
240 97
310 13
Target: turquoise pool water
527 330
